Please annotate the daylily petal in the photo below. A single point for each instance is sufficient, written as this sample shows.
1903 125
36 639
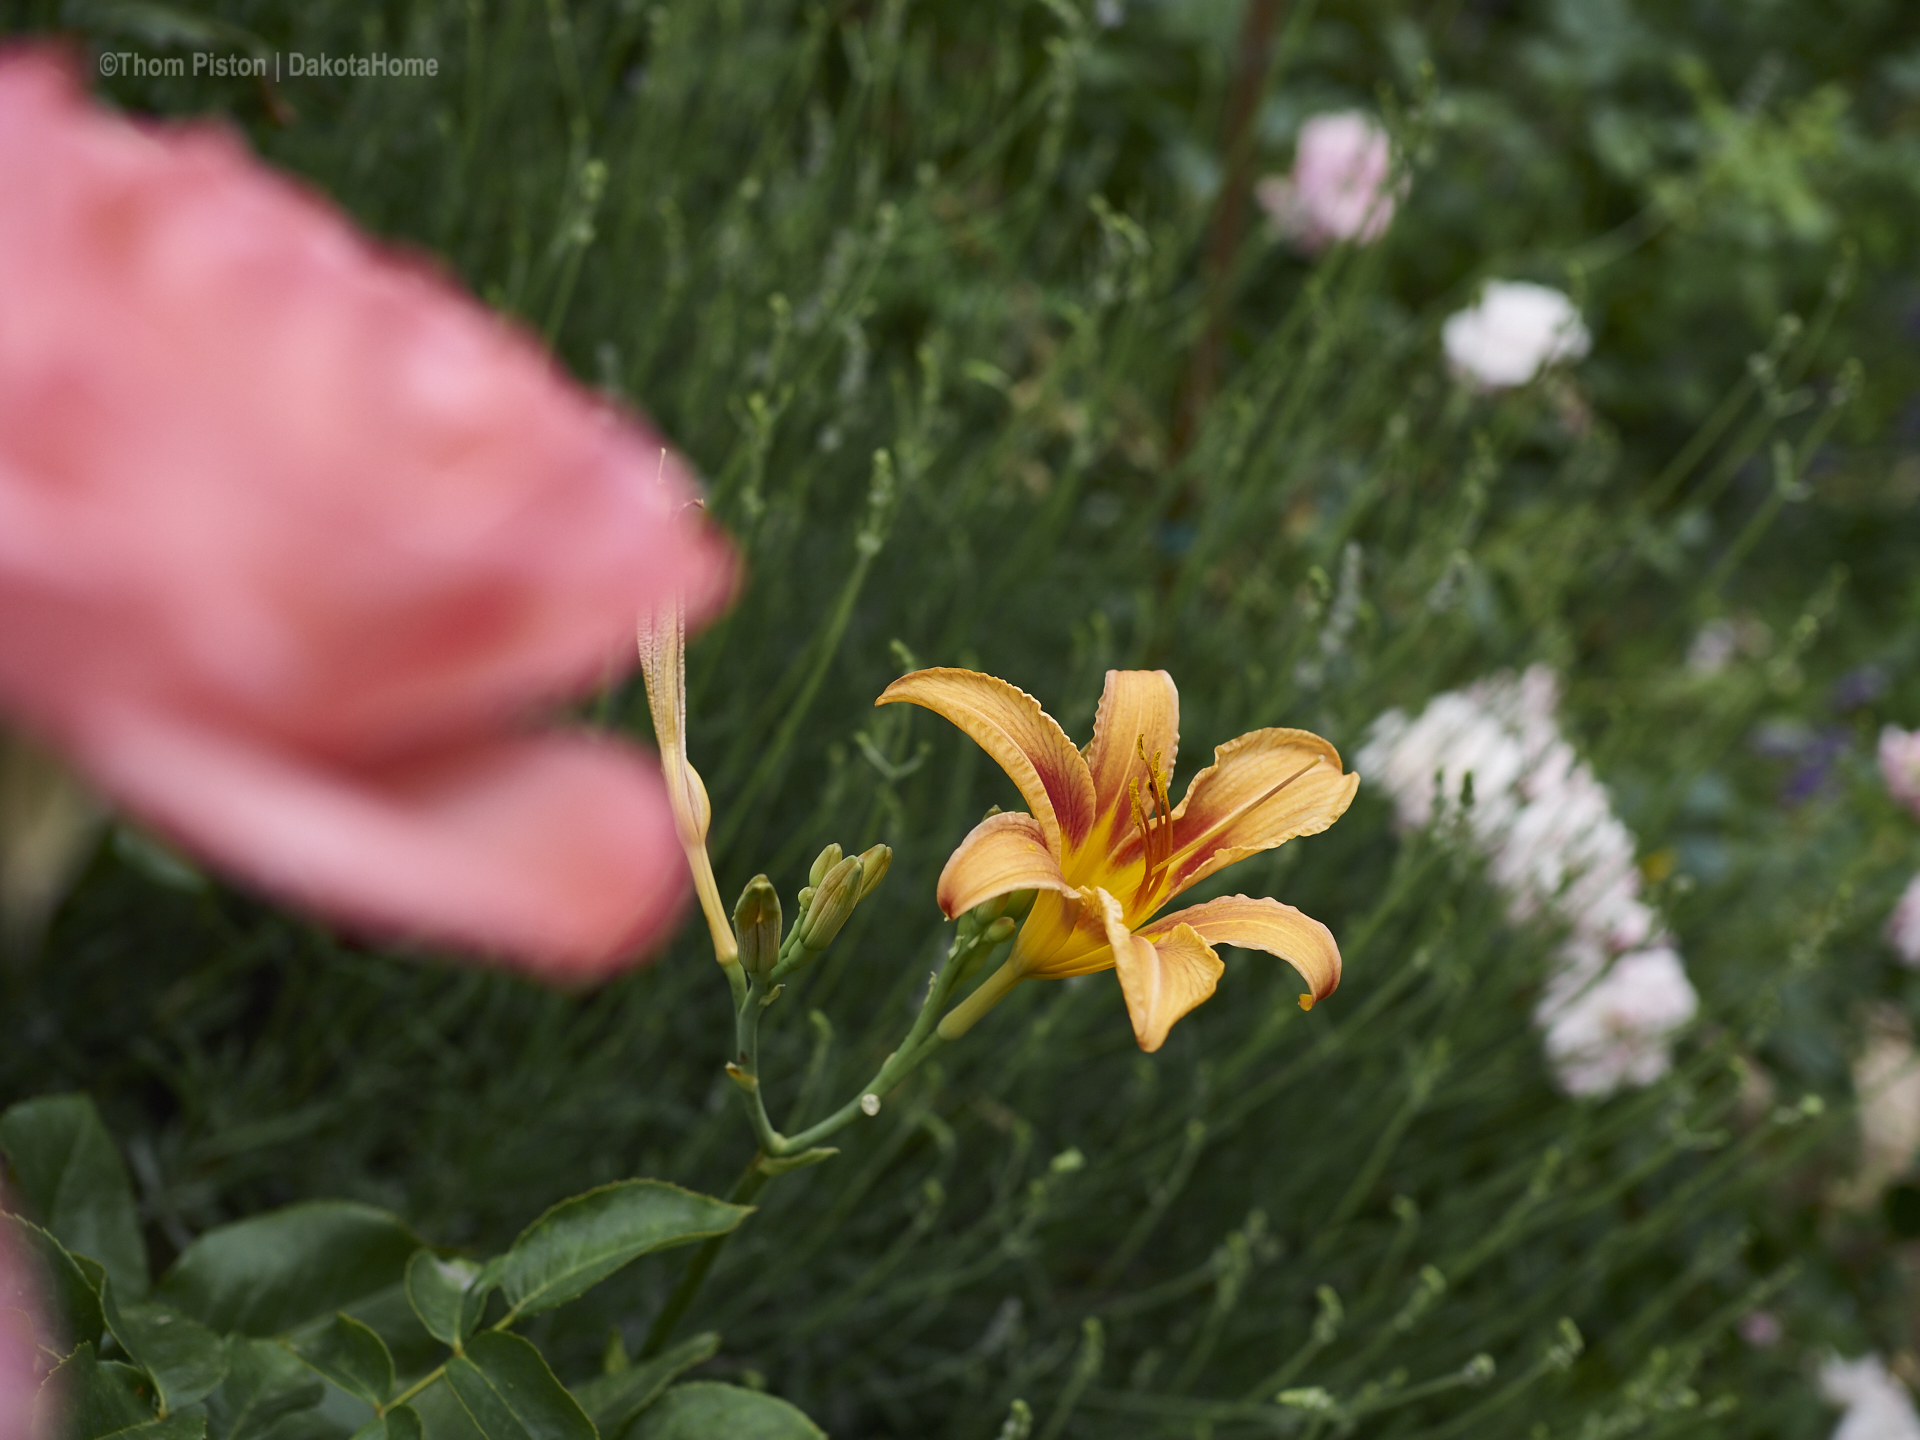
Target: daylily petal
1162 978
1262 924
1027 743
1004 853
1263 789
1139 711
1062 936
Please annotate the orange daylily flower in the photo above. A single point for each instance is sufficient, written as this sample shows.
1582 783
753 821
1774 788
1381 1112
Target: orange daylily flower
1104 848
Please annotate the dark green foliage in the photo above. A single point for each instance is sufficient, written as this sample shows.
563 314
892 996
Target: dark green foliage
918 287
72 1177
701 1409
582 1241
510 1394
352 1355
185 1360
613 1400
270 1273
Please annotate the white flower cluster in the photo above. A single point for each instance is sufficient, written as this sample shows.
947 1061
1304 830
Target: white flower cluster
1555 848
1878 1406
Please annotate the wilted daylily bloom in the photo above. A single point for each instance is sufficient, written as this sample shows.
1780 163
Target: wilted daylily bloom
1104 847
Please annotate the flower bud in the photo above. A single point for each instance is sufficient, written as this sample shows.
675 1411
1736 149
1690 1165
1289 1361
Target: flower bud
832 903
1020 903
807 892
874 864
756 921
823 862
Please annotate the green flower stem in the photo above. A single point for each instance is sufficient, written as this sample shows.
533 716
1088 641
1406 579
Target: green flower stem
922 1039
991 992
751 1182
899 1065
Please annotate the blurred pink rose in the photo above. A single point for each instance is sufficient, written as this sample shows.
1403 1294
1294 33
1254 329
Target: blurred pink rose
295 538
20 1334
1339 187
1900 765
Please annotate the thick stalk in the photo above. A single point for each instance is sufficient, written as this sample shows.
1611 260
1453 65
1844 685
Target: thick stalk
751 1182
921 1041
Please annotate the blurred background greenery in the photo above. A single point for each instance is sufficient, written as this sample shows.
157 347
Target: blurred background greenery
920 287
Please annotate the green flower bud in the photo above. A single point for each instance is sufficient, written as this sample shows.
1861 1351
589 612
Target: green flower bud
985 913
806 902
1020 903
757 921
832 903
874 865
823 862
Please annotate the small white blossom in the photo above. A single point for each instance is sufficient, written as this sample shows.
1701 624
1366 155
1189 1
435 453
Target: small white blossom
1878 1406
1616 1032
1515 331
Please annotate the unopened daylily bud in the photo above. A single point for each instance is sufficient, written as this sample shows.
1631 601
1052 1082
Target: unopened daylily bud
823 862
986 912
1000 931
874 864
1020 903
832 903
756 921
806 901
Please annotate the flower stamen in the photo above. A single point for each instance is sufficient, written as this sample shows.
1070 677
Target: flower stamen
1152 816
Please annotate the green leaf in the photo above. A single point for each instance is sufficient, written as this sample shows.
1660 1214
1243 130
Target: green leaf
351 1355
579 1242
185 1359
437 1290
75 1287
704 1410
505 1386
100 1398
474 1309
271 1273
74 1179
94 1399
612 1400
264 1384
388 1315
400 1423
442 1416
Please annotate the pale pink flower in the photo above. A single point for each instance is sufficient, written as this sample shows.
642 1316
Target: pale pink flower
295 540
1903 926
1761 1329
1512 333
22 1334
1340 186
1900 765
